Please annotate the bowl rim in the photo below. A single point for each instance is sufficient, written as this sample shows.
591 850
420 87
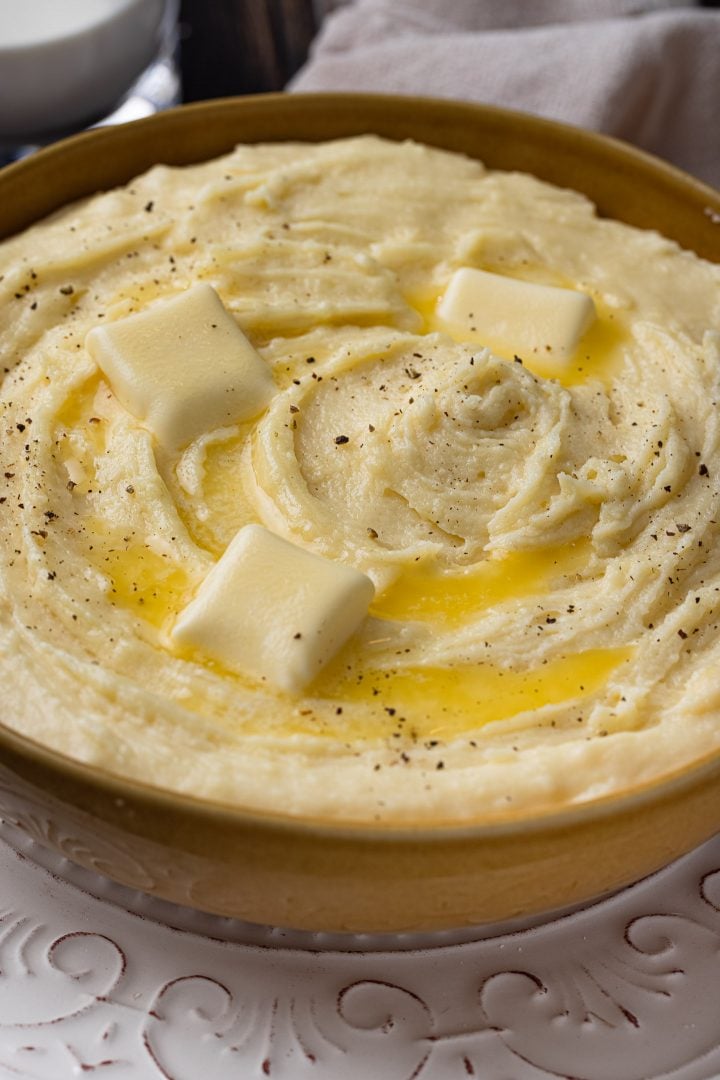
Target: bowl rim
694 774
263 105
504 823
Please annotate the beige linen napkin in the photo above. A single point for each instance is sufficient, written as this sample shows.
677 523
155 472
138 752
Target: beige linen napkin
647 71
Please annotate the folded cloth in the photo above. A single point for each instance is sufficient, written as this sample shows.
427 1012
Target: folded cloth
647 72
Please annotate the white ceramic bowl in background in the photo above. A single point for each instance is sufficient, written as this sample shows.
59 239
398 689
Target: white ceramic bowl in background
65 63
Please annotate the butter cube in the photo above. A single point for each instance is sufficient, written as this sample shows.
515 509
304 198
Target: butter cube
183 367
274 611
515 317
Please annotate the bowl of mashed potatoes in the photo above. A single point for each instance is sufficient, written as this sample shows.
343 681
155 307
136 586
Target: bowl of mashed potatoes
359 510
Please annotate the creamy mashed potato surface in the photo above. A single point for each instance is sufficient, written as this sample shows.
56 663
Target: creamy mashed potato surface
543 542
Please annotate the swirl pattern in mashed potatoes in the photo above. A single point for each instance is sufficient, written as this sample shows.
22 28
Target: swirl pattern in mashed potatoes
543 542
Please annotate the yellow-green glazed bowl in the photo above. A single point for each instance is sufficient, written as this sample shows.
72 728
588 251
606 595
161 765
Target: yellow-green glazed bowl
315 875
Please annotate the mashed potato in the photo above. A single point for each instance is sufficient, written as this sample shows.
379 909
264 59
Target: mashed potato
543 541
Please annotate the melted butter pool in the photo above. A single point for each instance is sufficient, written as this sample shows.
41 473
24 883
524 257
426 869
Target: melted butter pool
143 581
428 703
439 703
428 593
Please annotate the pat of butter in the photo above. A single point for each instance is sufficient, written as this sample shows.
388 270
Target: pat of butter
274 611
516 317
183 367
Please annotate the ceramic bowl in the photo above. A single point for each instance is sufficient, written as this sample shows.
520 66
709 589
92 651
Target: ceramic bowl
89 55
314 875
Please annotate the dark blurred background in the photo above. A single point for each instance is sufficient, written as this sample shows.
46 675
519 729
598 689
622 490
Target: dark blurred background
232 47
